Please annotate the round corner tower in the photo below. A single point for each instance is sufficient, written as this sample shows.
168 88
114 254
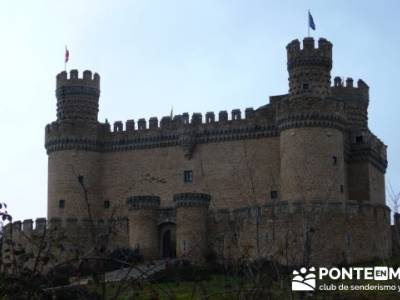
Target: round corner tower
72 146
191 220
143 231
311 127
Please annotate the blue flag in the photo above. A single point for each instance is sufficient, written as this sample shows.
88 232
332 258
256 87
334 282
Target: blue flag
311 23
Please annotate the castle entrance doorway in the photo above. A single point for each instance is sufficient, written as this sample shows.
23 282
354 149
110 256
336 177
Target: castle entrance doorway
167 240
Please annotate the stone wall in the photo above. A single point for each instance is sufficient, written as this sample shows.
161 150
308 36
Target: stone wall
64 168
191 230
333 233
312 164
143 218
292 233
58 242
230 171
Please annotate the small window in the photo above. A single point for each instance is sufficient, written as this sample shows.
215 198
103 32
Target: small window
61 203
188 176
305 86
334 158
342 188
274 194
107 204
359 139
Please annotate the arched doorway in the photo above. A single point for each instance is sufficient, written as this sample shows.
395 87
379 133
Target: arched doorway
166 244
167 240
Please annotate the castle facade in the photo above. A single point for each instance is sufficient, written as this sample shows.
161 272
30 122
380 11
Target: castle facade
299 180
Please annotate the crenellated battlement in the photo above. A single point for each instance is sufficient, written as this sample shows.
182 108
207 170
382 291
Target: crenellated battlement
346 89
309 54
365 146
88 79
309 68
69 128
285 209
311 112
184 119
140 134
38 226
283 112
77 97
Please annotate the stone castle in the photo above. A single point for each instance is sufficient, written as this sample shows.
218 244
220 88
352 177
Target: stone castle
299 180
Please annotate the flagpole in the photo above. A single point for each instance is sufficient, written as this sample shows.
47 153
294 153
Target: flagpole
308 24
65 61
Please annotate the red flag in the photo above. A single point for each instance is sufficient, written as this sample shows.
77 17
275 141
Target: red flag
66 55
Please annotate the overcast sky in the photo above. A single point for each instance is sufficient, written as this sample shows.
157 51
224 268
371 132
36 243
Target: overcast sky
196 56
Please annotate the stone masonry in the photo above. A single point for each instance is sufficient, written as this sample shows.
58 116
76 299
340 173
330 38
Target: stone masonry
299 180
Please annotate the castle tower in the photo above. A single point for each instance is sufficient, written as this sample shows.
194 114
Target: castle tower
191 225
74 160
309 68
311 124
143 231
77 98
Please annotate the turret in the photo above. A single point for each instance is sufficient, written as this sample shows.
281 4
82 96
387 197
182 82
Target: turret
143 231
77 98
309 67
191 220
71 143
311 127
